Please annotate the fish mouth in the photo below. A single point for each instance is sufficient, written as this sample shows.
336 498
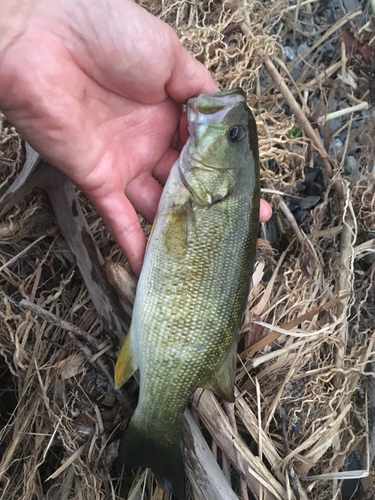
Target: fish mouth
212 103
209 108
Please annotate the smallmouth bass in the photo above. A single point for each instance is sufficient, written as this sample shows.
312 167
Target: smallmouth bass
194 283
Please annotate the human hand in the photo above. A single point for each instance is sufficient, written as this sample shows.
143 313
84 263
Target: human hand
97 89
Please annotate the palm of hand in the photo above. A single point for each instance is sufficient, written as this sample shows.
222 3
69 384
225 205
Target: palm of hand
98 107
96 87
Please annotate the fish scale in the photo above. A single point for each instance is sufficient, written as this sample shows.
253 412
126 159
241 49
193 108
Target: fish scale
194 284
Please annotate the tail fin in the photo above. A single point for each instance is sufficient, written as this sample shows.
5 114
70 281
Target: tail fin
139 448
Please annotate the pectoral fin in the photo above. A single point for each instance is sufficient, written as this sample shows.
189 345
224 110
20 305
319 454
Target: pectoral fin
124 366
152 231
176 234
222 382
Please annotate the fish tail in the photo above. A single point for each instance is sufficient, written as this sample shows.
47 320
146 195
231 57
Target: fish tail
140 447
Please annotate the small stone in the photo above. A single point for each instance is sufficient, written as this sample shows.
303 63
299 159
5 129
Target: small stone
343 135
350 165
328 14
308 202
335 147
350 486
301 215
310 175
289 52
309 28
358 123
315 189
297 72
365 114
297 428
335 124
352 4
269 231
302 48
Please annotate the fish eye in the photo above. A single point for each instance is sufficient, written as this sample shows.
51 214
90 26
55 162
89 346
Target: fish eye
236 133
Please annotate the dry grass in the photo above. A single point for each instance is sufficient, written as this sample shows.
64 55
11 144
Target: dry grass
305 380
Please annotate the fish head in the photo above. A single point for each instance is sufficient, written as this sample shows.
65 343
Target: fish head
222 150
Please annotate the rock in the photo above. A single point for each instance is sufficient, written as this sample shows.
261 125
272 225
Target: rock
310 175
268 230
308 202
350 165
301 215
350 486
352 4
289 52
302 48
328 14
297 428
335 124
365 114
335 147
315 189
297 72
343 135
315 181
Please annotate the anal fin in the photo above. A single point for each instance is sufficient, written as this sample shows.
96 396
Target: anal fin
222 381
124 366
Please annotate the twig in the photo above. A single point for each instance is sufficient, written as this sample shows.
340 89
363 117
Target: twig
342 112
254 470
68 462
10 451
273 335
61 323
121 280
299 114
341 22
232 419
271 410
203 470
73 333
67 484
366 247
345 266
322 77
114 314
25 250
290 217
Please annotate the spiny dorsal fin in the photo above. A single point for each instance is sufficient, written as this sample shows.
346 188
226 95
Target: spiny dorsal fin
222 381
124 366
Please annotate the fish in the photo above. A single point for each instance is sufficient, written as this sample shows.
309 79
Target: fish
194 284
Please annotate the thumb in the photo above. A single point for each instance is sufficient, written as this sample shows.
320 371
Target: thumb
189 78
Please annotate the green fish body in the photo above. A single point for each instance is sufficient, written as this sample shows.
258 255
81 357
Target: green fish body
194 284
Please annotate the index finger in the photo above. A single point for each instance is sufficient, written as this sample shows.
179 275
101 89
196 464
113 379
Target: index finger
122 220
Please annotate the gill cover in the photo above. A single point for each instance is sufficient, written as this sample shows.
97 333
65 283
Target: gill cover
222 136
